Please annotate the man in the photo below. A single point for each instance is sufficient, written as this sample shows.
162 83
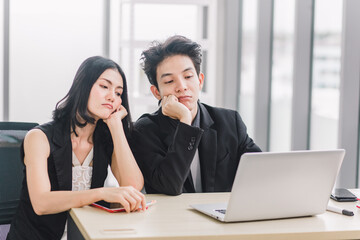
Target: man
185 146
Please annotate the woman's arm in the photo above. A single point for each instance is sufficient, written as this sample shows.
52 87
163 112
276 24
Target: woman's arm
45 201
123 166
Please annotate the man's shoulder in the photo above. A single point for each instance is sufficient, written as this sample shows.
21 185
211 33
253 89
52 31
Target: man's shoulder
209 107
147 120
216 112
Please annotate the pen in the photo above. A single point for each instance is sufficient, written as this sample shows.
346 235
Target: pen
339 210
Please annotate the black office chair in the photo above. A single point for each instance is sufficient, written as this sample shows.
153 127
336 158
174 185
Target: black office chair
11 168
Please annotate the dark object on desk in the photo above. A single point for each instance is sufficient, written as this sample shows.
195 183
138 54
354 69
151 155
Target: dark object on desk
115 207
343 195
11 167
347 212
109 205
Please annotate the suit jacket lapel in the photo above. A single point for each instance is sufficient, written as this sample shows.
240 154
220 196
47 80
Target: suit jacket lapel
207 150
100 163
62 156
99 166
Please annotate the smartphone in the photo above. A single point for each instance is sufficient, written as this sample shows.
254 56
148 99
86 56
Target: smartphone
343 195
116 207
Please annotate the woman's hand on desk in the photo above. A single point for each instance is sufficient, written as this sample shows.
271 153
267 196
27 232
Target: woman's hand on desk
128 197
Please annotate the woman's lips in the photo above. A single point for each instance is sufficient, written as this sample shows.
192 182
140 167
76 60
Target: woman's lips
109 106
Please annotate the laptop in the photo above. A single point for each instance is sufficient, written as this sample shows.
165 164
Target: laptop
271 185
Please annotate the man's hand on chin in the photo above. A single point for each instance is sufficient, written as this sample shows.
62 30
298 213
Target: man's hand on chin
171 107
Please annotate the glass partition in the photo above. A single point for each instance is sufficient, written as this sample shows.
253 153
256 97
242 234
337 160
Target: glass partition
248 61
282 72
326 74
1 60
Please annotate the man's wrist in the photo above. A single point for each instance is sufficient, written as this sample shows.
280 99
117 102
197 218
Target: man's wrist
186 119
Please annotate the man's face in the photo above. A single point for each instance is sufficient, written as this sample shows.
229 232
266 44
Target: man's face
176 75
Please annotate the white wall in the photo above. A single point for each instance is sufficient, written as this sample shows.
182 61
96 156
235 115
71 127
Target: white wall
1 59
48 42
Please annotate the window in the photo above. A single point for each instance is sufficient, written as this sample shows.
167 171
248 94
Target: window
2 13
142 22
248 61
326 74
281 84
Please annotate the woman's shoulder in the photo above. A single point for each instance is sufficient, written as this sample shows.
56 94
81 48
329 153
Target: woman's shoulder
47 126
54 131
40 132
35 135
35 148
37 142
52 127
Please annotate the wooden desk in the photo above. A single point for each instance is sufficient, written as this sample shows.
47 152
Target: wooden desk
172 218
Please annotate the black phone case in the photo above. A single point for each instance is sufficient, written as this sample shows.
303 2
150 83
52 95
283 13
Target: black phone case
343 195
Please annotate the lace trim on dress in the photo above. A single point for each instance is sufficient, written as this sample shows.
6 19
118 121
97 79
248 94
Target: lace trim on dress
82 174
81 177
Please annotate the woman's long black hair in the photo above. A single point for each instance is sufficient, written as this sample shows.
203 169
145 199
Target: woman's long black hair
75 103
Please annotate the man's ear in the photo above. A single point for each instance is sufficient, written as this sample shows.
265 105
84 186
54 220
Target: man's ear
155 92
201 80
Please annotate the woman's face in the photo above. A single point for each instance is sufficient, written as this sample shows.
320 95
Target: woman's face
105 94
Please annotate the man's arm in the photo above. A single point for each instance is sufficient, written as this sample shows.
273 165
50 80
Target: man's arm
165 163
246 144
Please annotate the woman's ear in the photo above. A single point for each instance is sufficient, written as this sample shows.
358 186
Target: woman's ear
155 92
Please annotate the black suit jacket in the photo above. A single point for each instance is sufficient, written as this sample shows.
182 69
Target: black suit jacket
164 149
26 223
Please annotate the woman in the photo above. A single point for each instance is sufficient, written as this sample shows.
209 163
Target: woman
66 160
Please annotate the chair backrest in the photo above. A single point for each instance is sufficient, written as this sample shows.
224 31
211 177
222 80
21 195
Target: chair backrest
11 167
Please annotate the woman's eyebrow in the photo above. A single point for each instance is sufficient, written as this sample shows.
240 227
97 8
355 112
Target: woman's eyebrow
110 82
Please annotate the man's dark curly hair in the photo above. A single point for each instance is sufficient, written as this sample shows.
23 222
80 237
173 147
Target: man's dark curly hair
175 45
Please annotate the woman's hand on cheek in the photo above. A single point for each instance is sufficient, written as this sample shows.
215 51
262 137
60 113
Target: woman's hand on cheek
116 117
120 112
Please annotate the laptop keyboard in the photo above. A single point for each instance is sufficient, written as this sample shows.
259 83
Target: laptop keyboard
223 211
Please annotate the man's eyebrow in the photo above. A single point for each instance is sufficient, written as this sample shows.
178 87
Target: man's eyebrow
169 74
165 75
187 69
110 82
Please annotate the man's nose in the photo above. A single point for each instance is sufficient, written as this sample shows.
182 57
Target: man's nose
181 85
